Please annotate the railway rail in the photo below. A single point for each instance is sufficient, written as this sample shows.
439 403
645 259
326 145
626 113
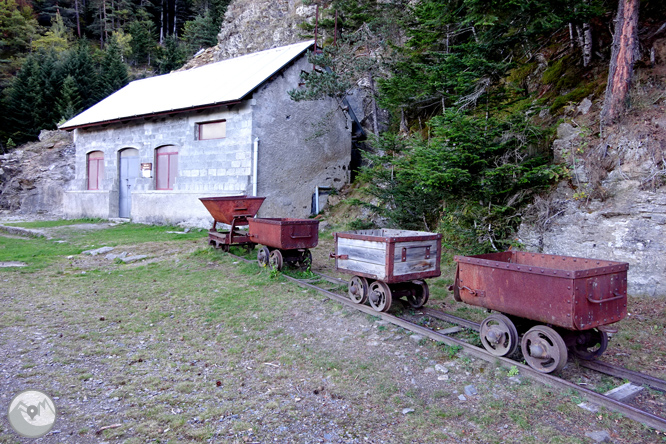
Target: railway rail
590 396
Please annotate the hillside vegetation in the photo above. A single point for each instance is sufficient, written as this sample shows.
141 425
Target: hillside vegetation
475 91
465 95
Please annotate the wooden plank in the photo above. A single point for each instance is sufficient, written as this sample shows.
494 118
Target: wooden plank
402 268
362 267
431 243
361 244
370 255
414 253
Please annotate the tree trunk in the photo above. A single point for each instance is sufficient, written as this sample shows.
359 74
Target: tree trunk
375 111
623 55
587 44
78 21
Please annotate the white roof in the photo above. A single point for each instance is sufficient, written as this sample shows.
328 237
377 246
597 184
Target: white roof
216 83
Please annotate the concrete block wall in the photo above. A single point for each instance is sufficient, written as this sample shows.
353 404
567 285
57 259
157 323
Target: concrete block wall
205 167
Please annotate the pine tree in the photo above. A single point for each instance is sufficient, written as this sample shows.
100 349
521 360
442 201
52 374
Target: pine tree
200 33
57 38
17 28
23 103
50 71
69 100
113 74
172 55
143 41
81 67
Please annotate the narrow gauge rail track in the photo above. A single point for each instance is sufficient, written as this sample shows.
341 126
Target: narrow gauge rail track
596 365
627 410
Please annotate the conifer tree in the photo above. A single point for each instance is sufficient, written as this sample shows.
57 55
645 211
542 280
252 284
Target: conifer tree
57 38
50 72
200 32
143 41
172 55
81 67
23 103
69 100
17 28
113 74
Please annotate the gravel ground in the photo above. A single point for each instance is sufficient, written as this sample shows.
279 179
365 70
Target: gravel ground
189 345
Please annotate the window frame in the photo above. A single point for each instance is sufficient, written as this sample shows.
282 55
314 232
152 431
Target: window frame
98 162
201 125
172 171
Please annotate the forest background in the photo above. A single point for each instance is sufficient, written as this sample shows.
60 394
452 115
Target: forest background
473 89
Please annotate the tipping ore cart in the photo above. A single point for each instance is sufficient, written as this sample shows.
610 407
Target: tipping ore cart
555 302
388 264
284 240
235 212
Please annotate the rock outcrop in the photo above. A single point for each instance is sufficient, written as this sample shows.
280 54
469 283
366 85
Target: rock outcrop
33 177
614 205
250 26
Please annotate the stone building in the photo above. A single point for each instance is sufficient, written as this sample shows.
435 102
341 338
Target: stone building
149 151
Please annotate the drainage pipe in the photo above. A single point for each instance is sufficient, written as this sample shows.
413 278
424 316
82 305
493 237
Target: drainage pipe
255 159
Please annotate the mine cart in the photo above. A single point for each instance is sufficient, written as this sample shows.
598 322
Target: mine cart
388 264
556 303
234 211
284 240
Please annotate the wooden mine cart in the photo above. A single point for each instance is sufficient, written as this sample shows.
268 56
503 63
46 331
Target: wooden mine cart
388 264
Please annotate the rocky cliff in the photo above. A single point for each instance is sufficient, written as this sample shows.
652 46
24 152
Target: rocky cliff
613 206
33 176
250 26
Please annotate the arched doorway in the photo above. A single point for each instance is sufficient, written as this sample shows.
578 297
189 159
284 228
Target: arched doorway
129 172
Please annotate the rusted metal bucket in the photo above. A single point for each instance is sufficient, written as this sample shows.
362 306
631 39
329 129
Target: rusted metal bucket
234 211
569 292
228 209
284 233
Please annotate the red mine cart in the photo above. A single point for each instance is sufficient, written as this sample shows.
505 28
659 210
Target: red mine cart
284 240
554 302
234 211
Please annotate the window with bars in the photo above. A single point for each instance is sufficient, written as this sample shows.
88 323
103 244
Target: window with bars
212 130
95 169
167 167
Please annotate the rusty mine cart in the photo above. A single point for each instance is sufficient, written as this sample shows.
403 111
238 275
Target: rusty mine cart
282 240
556 303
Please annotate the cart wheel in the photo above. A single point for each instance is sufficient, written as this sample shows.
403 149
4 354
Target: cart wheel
380 296
590 344
420 294
225 247
544 349
305 261
249 247
498 335
358 290
275 260
262 256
